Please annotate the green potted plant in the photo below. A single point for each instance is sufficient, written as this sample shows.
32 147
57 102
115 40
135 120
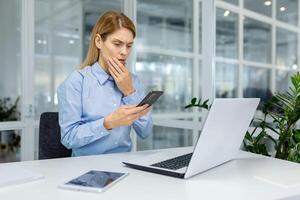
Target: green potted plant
278 125
8 112
8 109
284 112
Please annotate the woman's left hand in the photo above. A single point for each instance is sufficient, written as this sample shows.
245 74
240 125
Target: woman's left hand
121 76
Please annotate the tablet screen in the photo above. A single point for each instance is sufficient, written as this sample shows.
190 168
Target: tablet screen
96 179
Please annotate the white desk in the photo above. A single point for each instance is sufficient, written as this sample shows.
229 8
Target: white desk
248 177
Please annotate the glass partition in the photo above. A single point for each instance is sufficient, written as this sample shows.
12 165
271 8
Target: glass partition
257 41
165 24
226 80
287 11
235 2
62 30
283 81
226 34
171 74
286 49
263 7
256 83
165 137
10 146
10 60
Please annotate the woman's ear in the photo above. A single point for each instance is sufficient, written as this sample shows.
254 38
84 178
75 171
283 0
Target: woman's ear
98 41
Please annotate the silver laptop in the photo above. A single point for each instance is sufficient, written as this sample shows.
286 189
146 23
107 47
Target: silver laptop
219 142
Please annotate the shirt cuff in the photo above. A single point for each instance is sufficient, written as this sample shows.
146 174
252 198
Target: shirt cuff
97 127
132 99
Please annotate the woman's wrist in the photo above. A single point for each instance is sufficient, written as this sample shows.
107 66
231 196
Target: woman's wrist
129 92
107 124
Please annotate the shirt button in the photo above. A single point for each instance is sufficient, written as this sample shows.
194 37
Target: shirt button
115 104
116 143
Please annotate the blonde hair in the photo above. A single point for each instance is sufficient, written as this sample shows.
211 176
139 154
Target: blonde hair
108 23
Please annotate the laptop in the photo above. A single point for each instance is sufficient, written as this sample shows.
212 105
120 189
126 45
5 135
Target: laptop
222 134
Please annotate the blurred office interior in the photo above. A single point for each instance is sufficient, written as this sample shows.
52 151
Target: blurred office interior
187 48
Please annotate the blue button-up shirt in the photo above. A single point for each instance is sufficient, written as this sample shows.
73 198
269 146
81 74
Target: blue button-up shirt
85 98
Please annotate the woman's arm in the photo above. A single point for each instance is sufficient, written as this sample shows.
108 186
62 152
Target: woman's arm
75 132
144 125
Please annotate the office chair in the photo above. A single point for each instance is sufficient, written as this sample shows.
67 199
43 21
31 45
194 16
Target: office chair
49 137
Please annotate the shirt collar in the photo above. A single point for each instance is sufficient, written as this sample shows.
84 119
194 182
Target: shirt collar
101 75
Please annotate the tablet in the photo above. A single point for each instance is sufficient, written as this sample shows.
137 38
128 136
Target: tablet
94 181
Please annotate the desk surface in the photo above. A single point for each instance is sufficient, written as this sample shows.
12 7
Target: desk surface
249 176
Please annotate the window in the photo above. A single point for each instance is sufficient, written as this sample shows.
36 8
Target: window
226 34
287 11
11 91
226 80
256 64
257 41
165 137
165 24
236 2
171 74
10 146
286 49
59 47
263 7
165 62
256 83
10 59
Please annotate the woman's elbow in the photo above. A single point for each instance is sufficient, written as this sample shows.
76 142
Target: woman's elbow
67 143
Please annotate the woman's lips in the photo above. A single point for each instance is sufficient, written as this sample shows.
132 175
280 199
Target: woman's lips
122 61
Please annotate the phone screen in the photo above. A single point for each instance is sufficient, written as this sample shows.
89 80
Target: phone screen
96 179
150 98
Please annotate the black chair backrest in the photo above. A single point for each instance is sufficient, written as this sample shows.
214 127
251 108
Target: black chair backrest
49 137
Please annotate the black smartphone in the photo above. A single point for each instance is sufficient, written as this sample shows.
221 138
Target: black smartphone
150 98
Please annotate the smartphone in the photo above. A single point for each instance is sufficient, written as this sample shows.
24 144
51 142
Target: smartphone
151 98
94 181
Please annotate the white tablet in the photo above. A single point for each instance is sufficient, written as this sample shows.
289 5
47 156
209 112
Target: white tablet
94 181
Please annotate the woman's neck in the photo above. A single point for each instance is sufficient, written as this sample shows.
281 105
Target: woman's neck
103 65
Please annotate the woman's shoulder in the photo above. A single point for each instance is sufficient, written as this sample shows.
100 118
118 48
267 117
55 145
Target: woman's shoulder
79 74
75 79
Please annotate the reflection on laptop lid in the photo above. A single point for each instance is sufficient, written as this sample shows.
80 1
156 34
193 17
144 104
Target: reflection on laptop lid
219 142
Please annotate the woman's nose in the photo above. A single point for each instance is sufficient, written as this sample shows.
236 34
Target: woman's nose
124 50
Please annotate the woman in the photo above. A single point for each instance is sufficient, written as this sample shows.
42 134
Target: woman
97 103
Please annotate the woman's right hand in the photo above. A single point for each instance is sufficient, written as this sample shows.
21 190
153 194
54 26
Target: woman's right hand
125 116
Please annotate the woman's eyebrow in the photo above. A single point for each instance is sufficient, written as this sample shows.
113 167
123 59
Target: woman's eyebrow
117 40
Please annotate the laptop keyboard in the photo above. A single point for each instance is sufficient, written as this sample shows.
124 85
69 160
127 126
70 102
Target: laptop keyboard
175 163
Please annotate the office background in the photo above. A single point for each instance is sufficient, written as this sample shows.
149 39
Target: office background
187 48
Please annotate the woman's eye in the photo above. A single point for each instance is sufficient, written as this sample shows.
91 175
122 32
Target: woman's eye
117 44
129 46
